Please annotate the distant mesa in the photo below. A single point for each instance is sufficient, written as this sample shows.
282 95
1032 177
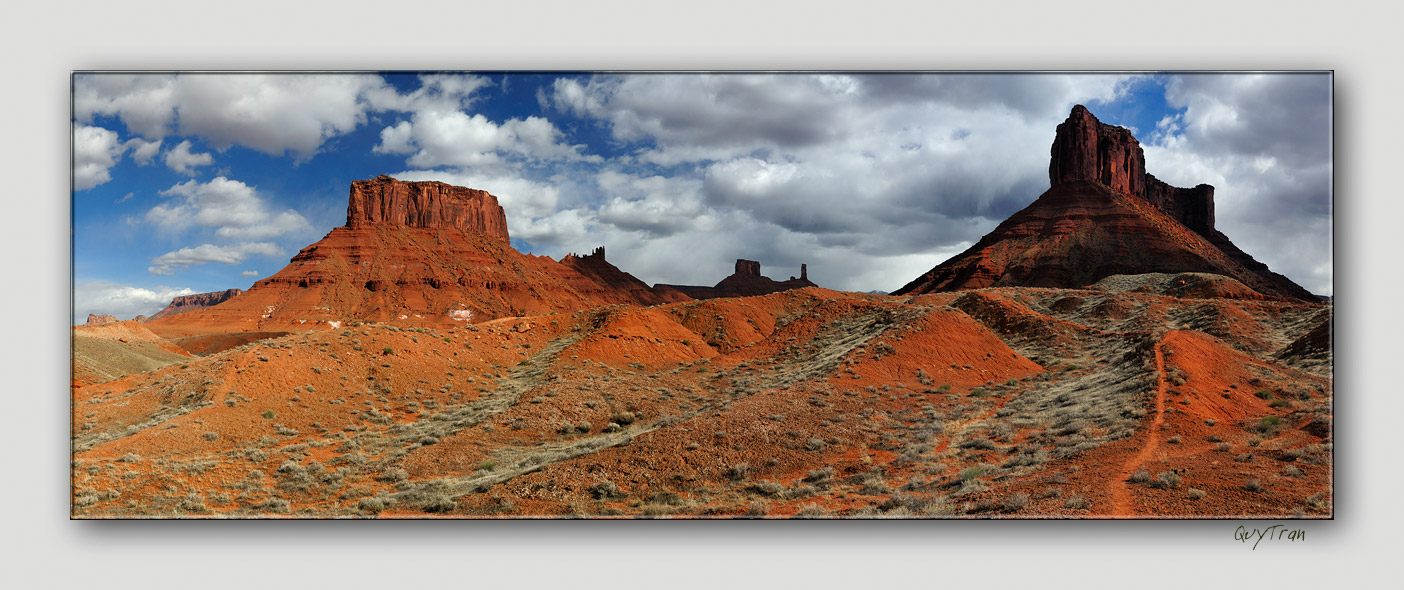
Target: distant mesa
745 282
99 319
186 303
594 267
421 253
1102 215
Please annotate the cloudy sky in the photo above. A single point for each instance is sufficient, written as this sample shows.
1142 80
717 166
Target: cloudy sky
193 183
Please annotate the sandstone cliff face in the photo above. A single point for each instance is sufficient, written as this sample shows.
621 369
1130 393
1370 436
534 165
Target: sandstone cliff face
187 303
385 201
1103 215
1087 149
1194 207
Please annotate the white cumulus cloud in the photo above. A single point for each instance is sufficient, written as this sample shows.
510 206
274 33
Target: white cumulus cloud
455 138
143 150
180 159
271 113
170 262
95 151
231 206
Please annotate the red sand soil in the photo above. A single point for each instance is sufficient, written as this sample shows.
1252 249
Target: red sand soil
1008 402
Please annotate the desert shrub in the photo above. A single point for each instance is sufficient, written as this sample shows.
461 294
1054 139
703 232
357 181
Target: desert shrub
1196 494
1015 502
211 436
1210 422
970 473
1174 440
1075 502
1140 476
193 503
1268 425
668 498
267 414
438 503
129 458
818 475
393 475
1166 480
584 426
1263 394
1293 471
1253 485
767 488
623 418
605 489
387 350
275 505
1223 447
874 483
487 466
815 444
1244 458
738 471
373 505
979 443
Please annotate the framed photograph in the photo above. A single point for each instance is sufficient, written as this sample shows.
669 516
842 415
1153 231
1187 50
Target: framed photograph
702 295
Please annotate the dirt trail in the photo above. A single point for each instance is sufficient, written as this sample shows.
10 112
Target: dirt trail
1120 485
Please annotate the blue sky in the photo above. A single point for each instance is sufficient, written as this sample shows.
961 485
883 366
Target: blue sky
195 183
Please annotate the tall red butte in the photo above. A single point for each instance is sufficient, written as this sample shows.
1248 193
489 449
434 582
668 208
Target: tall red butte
1102 215
423 253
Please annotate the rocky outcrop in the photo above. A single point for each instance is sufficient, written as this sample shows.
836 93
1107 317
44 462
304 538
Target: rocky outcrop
1103 215
186 303
386 201
745 282
594 267
1086 149
95 319
1193 207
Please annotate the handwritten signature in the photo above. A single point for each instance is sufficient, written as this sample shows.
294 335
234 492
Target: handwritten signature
1275 532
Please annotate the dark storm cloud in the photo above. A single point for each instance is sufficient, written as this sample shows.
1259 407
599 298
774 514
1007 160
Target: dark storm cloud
883 173
1264 142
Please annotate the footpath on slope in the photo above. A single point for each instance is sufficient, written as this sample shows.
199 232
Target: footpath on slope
1120 486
